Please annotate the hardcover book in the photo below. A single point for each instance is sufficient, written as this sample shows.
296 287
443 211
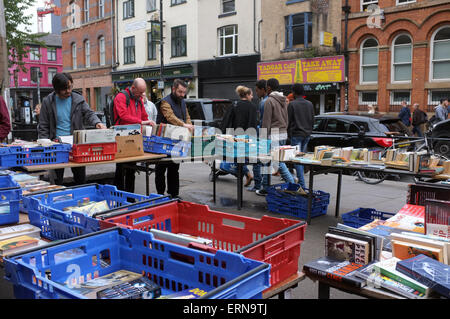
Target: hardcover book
346 248
428 272
378 239
369 239
405 250
437 218
335 270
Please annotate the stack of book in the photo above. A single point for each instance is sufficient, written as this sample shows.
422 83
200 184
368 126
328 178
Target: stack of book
93 136
15 239
178 133
32 184
284 153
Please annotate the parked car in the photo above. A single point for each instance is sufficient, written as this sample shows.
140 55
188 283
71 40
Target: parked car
360 130
209 111
441 130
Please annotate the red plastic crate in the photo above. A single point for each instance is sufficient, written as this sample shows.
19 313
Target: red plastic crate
85 153
273 240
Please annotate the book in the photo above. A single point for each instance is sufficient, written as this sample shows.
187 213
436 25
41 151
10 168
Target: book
335 270
410 217
193 293
346 248
126 130
437 218
19 230
386 232
406 250
182 239
141 288
379 240
375 279
15 244
369 239
388 268
428 272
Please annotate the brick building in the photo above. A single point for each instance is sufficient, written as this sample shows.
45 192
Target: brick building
398 50
88 47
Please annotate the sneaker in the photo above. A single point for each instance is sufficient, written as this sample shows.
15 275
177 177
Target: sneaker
252 189
261 192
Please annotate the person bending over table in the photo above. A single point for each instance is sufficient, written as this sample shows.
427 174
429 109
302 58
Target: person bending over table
63 112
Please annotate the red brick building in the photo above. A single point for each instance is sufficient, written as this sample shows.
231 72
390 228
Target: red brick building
88 47
398 50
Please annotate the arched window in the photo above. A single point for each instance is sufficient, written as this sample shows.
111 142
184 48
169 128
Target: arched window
87 53
101 50
369 61
74 56
401 58
440 54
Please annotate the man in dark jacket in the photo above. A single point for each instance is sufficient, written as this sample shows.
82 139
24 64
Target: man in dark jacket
5 122
63 112
418 119
405 114
301 120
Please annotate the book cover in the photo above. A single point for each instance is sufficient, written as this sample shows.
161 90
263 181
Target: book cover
16 242
379 239
388 268
405 250
437 218
376 280
19 230
424 241
346 248
386 232
335 270
370 239
410 217
428 272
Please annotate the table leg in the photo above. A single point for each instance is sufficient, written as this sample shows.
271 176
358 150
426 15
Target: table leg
324 291
338 195
147 178
214 180
310 194
239 185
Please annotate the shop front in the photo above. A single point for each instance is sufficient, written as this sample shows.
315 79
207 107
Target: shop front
321 78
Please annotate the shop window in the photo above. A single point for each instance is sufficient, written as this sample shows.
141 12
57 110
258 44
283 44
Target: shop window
440 53
369 61
228 40
402 59
298 29
179 41
369 97
129 50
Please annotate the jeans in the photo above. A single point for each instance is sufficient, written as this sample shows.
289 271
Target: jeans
303 143
232 168
284 171
257 177
417 129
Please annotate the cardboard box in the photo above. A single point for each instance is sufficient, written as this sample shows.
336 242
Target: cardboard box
129 146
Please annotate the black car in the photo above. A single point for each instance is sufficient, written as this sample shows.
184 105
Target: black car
442 130
360 130
209 112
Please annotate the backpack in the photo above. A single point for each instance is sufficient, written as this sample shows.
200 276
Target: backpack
109 110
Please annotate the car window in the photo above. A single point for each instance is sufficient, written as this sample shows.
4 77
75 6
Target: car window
337 126
354 128
394 126
318 124
219 109
195 110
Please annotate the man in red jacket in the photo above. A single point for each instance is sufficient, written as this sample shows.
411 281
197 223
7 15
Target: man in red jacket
133 113
5 122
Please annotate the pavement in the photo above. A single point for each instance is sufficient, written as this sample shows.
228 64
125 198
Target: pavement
389 196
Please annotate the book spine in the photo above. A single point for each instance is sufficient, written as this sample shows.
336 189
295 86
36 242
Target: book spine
332 277
400 279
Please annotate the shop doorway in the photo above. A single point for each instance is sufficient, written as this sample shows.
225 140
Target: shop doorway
330 103
315 100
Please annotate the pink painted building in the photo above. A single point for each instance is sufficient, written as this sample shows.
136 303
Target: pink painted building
48 61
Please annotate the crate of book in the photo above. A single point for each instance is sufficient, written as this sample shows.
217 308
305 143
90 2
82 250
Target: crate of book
291 199
202 145
259 147
232 146
26 155
10 196
419 193
164 145
362 216
71 212
98 265
85 153
273 240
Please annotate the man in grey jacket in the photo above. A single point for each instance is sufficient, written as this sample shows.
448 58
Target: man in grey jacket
441 110
63 112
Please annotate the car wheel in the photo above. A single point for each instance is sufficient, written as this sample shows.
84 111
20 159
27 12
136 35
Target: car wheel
442 148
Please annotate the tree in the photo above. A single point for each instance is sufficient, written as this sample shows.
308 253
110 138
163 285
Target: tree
17 41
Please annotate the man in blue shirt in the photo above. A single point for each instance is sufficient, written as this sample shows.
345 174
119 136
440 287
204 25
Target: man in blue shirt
405 114
63 112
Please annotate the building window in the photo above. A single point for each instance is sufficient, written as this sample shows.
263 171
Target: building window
74 56
34 74
298 29
397 97
405 1
72 13
51 54
175 2
179 41
51 74
128 50
434 96
440 62
102 51
87 53
151 46
368 97
228 40
128 9
366 3
151 5
402 59
86 10
101 8
34 53
228 6
369 61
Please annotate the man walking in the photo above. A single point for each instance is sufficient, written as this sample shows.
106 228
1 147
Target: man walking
419 118
173 111
63 112
275 122
301 120
405 114
441 112
131 113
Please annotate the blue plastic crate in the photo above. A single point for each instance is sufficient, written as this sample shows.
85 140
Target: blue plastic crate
42 272
14 156
10 196
362 216
163 145
46 210
296 205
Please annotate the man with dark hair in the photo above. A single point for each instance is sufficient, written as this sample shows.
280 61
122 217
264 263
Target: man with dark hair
275 122
172 110
63 112
441 110
301 120
405 114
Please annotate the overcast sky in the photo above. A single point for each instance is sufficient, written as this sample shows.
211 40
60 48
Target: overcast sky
47 19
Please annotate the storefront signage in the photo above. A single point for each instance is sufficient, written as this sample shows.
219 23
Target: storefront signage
186 71
321 87
314 70
326 38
